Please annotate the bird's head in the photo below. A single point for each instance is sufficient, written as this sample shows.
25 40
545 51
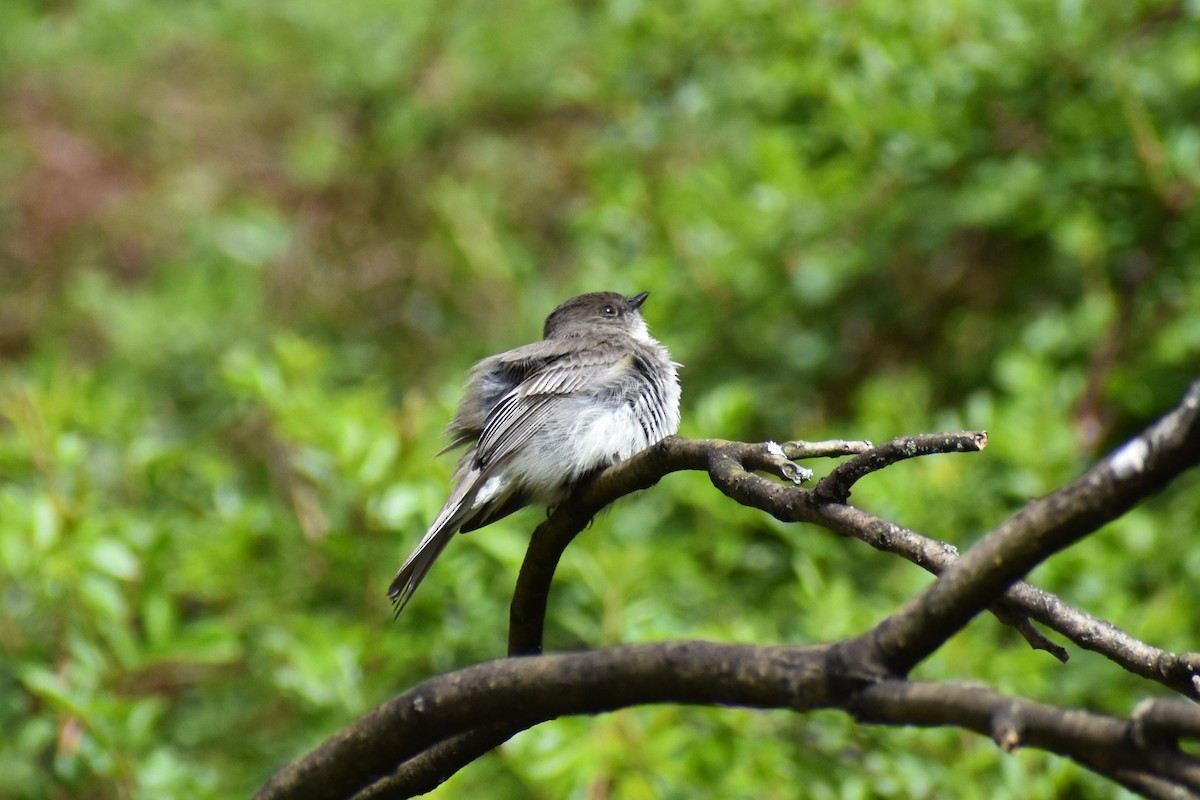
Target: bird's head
600 313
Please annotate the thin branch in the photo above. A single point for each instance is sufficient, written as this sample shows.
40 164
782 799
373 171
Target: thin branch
1100 742
431 768
1179 672
1044 526
1150 786
527 612
730 466
835 487
1165 720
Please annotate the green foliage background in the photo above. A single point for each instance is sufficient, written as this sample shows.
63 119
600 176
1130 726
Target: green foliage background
248 250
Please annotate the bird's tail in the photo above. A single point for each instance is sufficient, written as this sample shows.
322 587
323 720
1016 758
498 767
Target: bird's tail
454 513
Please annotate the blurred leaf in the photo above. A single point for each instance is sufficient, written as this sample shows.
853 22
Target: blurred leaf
250 252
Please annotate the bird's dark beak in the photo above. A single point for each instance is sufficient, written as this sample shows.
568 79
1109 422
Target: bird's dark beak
637 300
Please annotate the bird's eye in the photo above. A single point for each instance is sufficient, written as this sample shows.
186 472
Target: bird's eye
609 311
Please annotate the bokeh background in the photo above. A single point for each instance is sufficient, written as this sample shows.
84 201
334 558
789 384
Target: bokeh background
249 249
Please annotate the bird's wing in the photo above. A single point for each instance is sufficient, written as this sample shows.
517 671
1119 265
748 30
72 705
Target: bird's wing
506 394
546 382
490 381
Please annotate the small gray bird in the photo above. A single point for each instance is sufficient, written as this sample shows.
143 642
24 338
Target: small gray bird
538 419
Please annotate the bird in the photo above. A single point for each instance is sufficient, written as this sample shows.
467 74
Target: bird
539 419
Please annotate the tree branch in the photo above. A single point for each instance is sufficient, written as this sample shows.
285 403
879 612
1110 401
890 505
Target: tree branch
1097 741
429 769
1044 526
835 487
729 465
521 692
1179 672
447 721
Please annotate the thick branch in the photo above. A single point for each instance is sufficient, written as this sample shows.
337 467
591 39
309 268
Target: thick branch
521 692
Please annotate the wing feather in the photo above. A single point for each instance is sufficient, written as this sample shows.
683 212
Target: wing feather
516 415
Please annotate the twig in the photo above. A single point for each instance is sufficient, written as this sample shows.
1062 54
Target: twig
835 487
